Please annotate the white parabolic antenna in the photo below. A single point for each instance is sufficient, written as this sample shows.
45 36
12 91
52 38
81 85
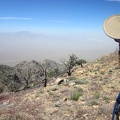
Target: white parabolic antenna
112 27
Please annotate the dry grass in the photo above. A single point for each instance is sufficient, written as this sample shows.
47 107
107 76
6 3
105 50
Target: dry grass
16 108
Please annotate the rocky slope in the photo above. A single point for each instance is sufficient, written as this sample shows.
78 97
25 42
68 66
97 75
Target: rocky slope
13 78
97 85
6 77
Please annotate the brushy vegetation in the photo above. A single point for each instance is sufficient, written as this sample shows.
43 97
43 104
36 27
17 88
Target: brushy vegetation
70 78
106 99
96 95
54 73
81 81
93 102
76 94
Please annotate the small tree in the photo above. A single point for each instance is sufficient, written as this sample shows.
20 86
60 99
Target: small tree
81 62
44 69
70 64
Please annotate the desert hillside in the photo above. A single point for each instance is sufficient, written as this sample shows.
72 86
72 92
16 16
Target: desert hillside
89 94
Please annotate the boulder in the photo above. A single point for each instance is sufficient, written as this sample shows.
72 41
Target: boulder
59 81
71 84
54 88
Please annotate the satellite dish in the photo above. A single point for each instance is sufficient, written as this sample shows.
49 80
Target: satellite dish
112 27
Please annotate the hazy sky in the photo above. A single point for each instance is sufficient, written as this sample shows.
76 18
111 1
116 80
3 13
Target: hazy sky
54 29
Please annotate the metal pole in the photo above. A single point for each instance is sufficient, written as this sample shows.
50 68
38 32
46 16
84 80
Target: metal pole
118 40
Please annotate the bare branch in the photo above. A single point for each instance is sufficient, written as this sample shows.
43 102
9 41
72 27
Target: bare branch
70 64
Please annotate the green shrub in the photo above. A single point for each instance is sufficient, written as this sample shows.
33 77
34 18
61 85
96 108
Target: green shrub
80 90
71 78
93 102
80 82
106 98
56 98
76 94
102 72
96 95
81 62
54 73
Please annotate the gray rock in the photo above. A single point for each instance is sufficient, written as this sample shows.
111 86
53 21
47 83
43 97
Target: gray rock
71 84
54 88
59 81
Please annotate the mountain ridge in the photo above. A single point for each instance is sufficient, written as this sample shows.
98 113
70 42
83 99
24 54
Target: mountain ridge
23 70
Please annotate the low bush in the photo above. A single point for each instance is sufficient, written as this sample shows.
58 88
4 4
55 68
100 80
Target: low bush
93 102
76 94
96 95
71 78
